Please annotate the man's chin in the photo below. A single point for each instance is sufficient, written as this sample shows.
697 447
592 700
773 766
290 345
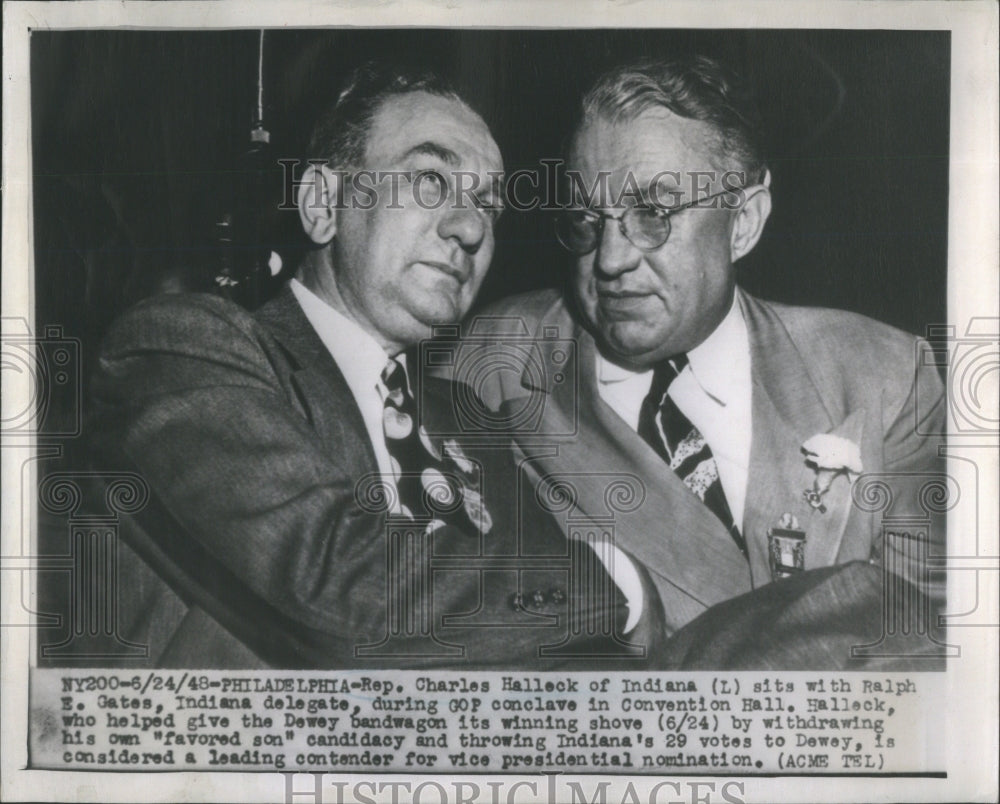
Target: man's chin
439 301
623 344
437 310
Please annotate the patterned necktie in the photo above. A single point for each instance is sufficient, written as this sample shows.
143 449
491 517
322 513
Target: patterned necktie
442 485
680 444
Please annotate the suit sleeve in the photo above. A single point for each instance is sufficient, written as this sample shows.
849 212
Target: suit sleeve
186 395
915 428
913 441
258 525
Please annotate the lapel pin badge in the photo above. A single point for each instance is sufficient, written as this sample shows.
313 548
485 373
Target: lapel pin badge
786 548
829 456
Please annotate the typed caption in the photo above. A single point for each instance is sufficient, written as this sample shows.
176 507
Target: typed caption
509 723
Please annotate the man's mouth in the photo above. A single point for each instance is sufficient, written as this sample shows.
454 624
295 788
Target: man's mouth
622 303
622 298
457 272
623 294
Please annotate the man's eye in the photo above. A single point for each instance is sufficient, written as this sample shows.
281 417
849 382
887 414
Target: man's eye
648 212
431 188
431 178
581 217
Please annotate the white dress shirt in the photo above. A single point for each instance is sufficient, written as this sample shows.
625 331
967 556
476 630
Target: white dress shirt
360 359
714 392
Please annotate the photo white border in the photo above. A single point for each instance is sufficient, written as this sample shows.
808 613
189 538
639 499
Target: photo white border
973 287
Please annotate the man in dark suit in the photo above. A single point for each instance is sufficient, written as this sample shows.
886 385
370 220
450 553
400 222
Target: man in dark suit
302 515
749 422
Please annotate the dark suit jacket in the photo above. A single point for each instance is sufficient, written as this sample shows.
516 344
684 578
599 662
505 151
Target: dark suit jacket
257 548
813 371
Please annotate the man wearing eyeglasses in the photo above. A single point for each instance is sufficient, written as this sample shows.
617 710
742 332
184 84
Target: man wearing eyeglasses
747 421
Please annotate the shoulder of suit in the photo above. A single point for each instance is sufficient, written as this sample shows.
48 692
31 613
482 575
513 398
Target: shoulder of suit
194 324
853 343
522 314
834 329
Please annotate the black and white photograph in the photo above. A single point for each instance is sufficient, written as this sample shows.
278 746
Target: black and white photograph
460 398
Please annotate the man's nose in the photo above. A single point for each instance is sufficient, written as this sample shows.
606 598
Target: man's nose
466 226
616 254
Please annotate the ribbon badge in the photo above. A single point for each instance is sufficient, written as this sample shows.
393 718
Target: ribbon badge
786 548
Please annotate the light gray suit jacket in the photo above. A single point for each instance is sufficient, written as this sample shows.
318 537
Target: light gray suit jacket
813 371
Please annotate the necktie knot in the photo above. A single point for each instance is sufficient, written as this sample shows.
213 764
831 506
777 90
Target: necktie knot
664 373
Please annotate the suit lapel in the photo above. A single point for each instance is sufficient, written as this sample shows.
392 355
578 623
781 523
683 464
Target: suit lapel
788 408
672 533
317 383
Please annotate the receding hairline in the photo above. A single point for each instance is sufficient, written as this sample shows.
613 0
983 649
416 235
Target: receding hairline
717 152
430 145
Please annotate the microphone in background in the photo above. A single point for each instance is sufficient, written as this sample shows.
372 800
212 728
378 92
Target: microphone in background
247 266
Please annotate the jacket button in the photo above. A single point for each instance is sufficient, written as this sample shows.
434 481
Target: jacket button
537 599
557 596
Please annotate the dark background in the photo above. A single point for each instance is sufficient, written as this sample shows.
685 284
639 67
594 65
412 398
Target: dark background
141 142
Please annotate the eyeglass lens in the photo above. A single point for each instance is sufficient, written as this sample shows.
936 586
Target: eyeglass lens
580 230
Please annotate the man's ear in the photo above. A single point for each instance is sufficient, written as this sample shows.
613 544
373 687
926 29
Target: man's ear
750 220
317 196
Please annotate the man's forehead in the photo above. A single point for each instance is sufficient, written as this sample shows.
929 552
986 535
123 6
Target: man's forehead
421 123
644 145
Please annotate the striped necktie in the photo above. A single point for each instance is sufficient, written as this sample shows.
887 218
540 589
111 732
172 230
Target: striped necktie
681 445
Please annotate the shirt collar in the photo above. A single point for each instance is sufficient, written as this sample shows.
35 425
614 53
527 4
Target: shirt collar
723 356
358 355
609 373
713 362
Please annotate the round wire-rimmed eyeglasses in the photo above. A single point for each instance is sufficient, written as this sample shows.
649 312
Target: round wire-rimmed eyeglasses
646 226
